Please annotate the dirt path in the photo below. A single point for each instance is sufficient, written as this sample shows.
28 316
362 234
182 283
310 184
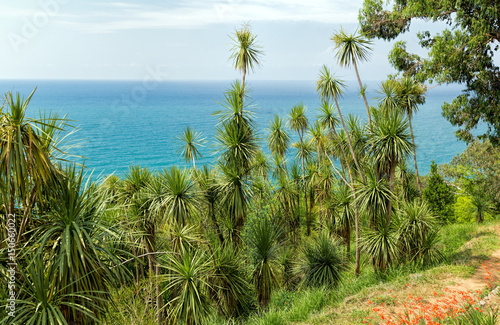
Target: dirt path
445 300
426 295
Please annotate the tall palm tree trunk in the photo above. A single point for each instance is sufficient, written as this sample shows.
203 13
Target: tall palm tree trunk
308 221
415 160
351 186
348 139
242 94
356 230
363 93
216 225
392 172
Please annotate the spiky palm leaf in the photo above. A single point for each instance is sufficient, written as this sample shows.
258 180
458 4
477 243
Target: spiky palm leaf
264 246
278 139
320 264
74 237
190 142
245 50
187 277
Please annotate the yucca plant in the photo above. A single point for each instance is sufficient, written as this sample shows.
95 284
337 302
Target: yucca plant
75 239
372 196
230 283
190 142
351 49
320 263
26 148
245 51
42 299
264 248
380 243
391 143
278 138
416 227
187 279
344 212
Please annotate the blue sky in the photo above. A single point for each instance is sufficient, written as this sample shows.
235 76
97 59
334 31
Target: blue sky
76 39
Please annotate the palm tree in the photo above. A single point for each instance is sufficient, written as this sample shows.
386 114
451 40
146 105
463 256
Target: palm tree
481 205
187 276
191 141
230 287
381 244
234 197
298 122
411 94
72 235
278 139
390 143
351 49
320 264
415 223
317 137
43 300
260 165
372 196
388 99
264 247
329 88
25 157
245 52
344 216
236 135
169 196
210 194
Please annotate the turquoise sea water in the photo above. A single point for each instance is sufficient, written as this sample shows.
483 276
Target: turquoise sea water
123 123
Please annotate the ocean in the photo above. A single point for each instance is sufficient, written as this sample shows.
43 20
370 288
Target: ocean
124 123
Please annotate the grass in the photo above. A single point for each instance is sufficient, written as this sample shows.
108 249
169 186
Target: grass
463 245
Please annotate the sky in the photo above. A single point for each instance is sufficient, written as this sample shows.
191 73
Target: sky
176 40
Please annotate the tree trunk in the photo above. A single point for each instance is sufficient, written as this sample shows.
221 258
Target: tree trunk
304 184
415 160
159 297
392 172
364 95
309 216
356 229
348 140
356 214
348 243
216 225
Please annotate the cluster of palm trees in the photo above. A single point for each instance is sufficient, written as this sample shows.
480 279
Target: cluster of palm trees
215 241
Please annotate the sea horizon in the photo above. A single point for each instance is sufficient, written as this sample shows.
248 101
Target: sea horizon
130 122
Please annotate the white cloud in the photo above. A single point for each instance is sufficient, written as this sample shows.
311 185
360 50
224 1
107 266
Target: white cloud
119 16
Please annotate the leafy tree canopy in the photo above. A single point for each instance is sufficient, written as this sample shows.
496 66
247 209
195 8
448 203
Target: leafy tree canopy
462 54
477 169
439 195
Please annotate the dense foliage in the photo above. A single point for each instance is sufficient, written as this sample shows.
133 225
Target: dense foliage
439 195
464 53
208 243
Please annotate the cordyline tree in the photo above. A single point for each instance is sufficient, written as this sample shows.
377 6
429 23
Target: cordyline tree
463 53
